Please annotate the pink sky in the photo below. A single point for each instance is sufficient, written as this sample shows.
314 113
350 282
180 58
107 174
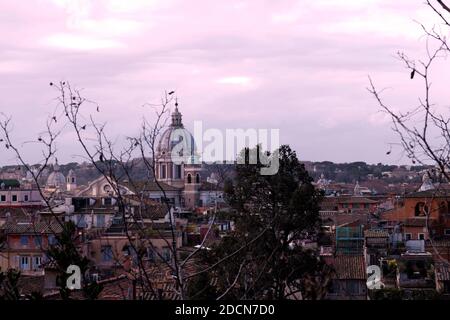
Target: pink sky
300 66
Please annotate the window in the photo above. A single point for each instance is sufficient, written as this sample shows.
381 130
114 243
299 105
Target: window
189 178
107 201
24 263
408 236
14 198
81 223
52 240
352 287
38 241
23 240
170 171
366 206
25 198
163 171
2 198
197 178
421 236
421 209
37 262
356 205
447 232
177 171
100 221
107 253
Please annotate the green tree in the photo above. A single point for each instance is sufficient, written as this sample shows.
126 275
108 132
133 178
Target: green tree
263 258
64 253
200 288
9 289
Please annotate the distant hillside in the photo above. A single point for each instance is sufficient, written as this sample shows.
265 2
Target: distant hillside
337 172
361 171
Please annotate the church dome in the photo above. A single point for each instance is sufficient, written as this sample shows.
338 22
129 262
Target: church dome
175 135
56 179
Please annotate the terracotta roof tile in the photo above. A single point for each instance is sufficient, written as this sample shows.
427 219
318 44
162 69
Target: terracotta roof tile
376 234
13 227
350 267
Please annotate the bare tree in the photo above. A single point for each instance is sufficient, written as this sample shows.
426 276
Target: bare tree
115 164
423 130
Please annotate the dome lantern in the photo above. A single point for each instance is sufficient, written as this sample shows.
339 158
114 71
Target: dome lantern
176 117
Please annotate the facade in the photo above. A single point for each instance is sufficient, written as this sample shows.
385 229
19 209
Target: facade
349 279
12 194
421 209
92 213
25 245
350 238
112 251
376 243
101 187
416 271
345 209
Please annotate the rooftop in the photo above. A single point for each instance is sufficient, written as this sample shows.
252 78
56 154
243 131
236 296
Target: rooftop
350 267
376 234
49 227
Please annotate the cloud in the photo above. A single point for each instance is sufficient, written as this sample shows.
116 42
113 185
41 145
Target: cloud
239 81
300 66
80 42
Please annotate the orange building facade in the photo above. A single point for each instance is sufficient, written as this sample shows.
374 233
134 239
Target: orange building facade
422 214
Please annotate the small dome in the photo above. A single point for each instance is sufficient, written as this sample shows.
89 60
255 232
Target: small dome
56 179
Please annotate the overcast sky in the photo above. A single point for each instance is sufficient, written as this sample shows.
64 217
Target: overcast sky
300 66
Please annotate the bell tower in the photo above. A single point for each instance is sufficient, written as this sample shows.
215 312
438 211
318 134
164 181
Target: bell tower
71 181
192 185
